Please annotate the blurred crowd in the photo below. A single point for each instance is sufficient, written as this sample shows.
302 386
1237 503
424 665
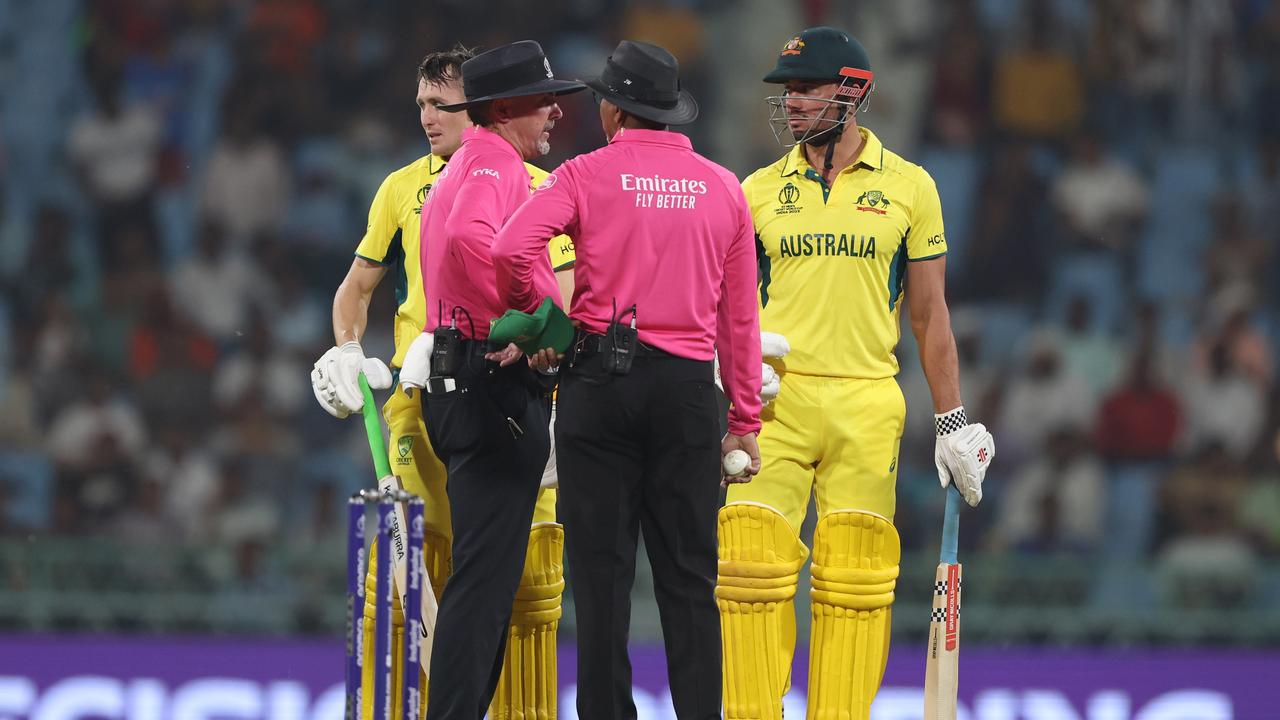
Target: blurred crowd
184 182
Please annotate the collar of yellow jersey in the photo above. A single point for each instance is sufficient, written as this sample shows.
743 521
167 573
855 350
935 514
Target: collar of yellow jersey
872 155
435 164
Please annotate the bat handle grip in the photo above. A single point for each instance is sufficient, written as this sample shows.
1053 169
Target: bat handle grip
373 428
951 526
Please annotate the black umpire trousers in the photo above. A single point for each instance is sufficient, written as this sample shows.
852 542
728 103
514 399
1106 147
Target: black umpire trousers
491 434
636 453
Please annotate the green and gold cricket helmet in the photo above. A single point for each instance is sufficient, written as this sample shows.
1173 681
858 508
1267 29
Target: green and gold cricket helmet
824 53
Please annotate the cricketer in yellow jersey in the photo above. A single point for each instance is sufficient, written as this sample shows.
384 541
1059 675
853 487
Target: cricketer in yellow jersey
528 685
846 232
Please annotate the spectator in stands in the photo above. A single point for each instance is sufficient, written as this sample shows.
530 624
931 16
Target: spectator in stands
1232 323
1136 433
246 185
157 76
1101 200
165 338
188 475
1206 561
1038 90
1089 351
1056 502
101 418
1041 399
20 423
254 432
115 148
48 266
219 286
302 322
960 94
288 31
1002 264
1237 254
144 521
239 514
319 215
264 370
61 340
1224 406
171 365
95 445
1141 420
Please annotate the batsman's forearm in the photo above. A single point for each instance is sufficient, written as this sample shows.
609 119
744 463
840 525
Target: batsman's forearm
940 362
350 313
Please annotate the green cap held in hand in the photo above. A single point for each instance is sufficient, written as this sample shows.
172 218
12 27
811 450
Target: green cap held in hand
547 327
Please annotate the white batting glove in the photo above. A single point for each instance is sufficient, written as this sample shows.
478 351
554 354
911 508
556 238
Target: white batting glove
417 362
773 345
335 378
770 383
963 453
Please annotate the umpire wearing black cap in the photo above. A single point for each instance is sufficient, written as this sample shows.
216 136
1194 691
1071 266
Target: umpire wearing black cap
483 406
665 277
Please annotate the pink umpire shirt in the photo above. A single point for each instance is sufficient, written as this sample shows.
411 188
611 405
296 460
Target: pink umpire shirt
657 225
483 184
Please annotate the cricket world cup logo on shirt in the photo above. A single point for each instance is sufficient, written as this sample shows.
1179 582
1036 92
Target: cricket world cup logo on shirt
787 198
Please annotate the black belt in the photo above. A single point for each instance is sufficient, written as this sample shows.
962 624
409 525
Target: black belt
441 385
479 348
470 349
591 343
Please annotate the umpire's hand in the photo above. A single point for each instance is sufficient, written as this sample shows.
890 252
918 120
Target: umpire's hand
746 443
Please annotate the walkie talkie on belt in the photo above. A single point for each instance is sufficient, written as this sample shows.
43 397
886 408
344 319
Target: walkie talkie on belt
446 354
618 349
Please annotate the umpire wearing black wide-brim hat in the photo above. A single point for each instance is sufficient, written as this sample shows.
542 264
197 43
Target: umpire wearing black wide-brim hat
513 70
644 80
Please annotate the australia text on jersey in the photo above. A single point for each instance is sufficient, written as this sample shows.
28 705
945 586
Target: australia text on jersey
827 245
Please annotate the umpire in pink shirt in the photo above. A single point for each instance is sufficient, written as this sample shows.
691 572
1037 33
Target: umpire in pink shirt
483 407
665 278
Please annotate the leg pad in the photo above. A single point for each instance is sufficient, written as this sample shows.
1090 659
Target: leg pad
527 689
855 568
760 561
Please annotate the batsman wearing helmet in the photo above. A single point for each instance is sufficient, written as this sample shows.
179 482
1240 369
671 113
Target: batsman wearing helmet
846 233
528 685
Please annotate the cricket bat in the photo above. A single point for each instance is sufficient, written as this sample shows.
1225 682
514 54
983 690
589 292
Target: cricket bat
389 483
942 669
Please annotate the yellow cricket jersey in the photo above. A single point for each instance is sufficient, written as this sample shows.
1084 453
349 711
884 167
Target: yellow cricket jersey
833 259
392 239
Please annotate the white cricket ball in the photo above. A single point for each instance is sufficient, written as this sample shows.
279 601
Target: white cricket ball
736 463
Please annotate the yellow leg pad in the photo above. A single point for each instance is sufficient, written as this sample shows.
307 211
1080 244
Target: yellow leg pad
855 567
760 561
437 555
438 559
527 688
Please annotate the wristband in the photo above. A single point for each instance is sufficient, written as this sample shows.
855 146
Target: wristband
950 422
